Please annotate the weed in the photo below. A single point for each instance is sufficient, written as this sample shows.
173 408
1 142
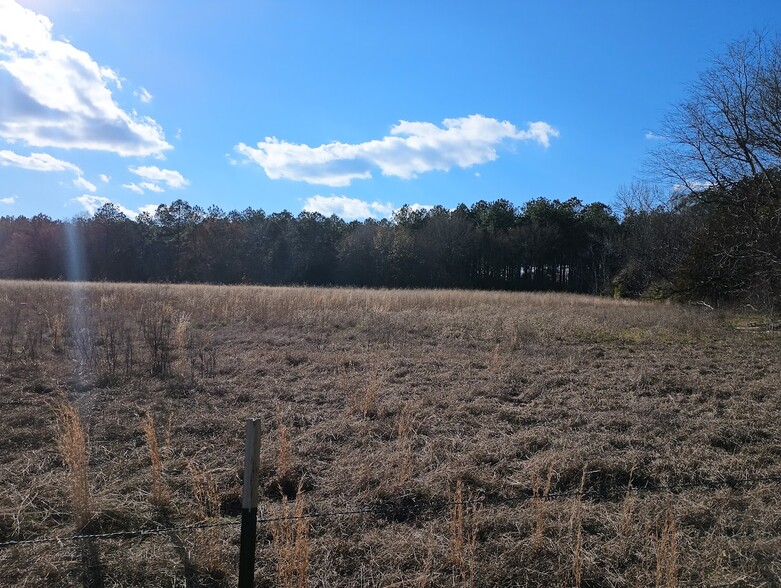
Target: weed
496 358
576 528
72 443
157 328
463 536
208 550
290 534
404 441
667 553
540 505
367 400
159 495
627 507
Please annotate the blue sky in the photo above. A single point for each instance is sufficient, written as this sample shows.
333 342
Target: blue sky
353 108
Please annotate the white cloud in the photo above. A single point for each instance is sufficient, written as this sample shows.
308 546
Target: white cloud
172 178
178 134
37 162
44 162
80 182
55 95
651 136
143 95
150 209
347 208
8 200
411 148
133 187
92 203
415 207
104 178
151 187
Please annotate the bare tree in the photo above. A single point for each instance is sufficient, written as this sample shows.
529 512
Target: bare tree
730 126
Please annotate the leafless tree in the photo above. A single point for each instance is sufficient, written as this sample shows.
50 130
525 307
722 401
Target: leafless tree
730 126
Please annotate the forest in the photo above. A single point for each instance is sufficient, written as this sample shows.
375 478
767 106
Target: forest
658 250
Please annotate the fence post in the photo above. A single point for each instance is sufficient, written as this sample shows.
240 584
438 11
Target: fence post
249 505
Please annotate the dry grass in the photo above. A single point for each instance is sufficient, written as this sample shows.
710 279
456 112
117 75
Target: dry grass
208 552
541 492
576 527
72 443
291 543
158 495
667 553
389 397
463 537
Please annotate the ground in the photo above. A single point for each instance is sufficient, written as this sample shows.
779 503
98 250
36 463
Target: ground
593 442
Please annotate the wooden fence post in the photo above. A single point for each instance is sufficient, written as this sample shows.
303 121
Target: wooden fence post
249 505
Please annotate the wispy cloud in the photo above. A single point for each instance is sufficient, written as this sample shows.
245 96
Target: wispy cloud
37 162
55 95
8 200
104 178
651 136
80 182
133 188
410 149
143 95
43 162
151 187
347 208
155 176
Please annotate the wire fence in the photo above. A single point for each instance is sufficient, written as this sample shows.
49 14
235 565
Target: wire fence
409 508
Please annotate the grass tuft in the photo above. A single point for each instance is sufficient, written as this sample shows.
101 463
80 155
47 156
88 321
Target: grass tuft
291 543
463 537
158 495
72 443
667 553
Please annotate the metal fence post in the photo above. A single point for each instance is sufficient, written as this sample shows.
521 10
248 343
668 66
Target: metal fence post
249 505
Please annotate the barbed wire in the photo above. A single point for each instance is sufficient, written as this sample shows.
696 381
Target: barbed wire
122 534
406 505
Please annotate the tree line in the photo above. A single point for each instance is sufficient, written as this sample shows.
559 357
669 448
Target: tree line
654 247
544 245
715 237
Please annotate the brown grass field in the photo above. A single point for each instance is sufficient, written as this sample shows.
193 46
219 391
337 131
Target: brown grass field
511 439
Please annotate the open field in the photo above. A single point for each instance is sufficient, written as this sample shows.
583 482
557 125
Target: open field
387 397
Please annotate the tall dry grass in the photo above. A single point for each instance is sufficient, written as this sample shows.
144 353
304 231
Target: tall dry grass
159 495
540 502
290 532
576 528
667 552
463 518
72 443
208 551
405 458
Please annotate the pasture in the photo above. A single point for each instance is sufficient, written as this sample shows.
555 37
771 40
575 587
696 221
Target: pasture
474 438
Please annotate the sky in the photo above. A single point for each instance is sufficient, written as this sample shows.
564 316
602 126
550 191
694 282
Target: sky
344 107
